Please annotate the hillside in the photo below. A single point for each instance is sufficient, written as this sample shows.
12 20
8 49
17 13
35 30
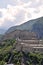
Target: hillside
21 34
35 25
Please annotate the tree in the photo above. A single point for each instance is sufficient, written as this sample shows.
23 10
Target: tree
2 62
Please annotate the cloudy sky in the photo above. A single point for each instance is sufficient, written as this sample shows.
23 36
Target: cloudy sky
15 12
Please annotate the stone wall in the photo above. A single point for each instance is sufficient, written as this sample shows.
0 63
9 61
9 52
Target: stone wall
30 45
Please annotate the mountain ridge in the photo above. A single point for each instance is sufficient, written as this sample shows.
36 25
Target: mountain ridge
25 26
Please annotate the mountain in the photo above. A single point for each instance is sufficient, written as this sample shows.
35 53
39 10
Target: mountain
2 31
35 25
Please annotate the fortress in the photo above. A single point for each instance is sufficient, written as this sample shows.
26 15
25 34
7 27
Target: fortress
28 41
30 45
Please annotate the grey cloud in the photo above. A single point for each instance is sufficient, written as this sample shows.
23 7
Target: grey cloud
21 14
37 11
36 4
7 24
4 3
0 14
29 15
25 1
20 17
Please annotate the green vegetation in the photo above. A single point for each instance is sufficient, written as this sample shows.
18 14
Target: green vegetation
7 50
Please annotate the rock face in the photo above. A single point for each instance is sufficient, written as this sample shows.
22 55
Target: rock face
21 35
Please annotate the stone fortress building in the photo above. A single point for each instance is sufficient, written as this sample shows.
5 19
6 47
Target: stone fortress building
30 45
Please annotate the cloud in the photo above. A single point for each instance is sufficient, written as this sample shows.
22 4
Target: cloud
25 1
20 17
0 14
6 24
5 16
36 3
15 12
4 3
